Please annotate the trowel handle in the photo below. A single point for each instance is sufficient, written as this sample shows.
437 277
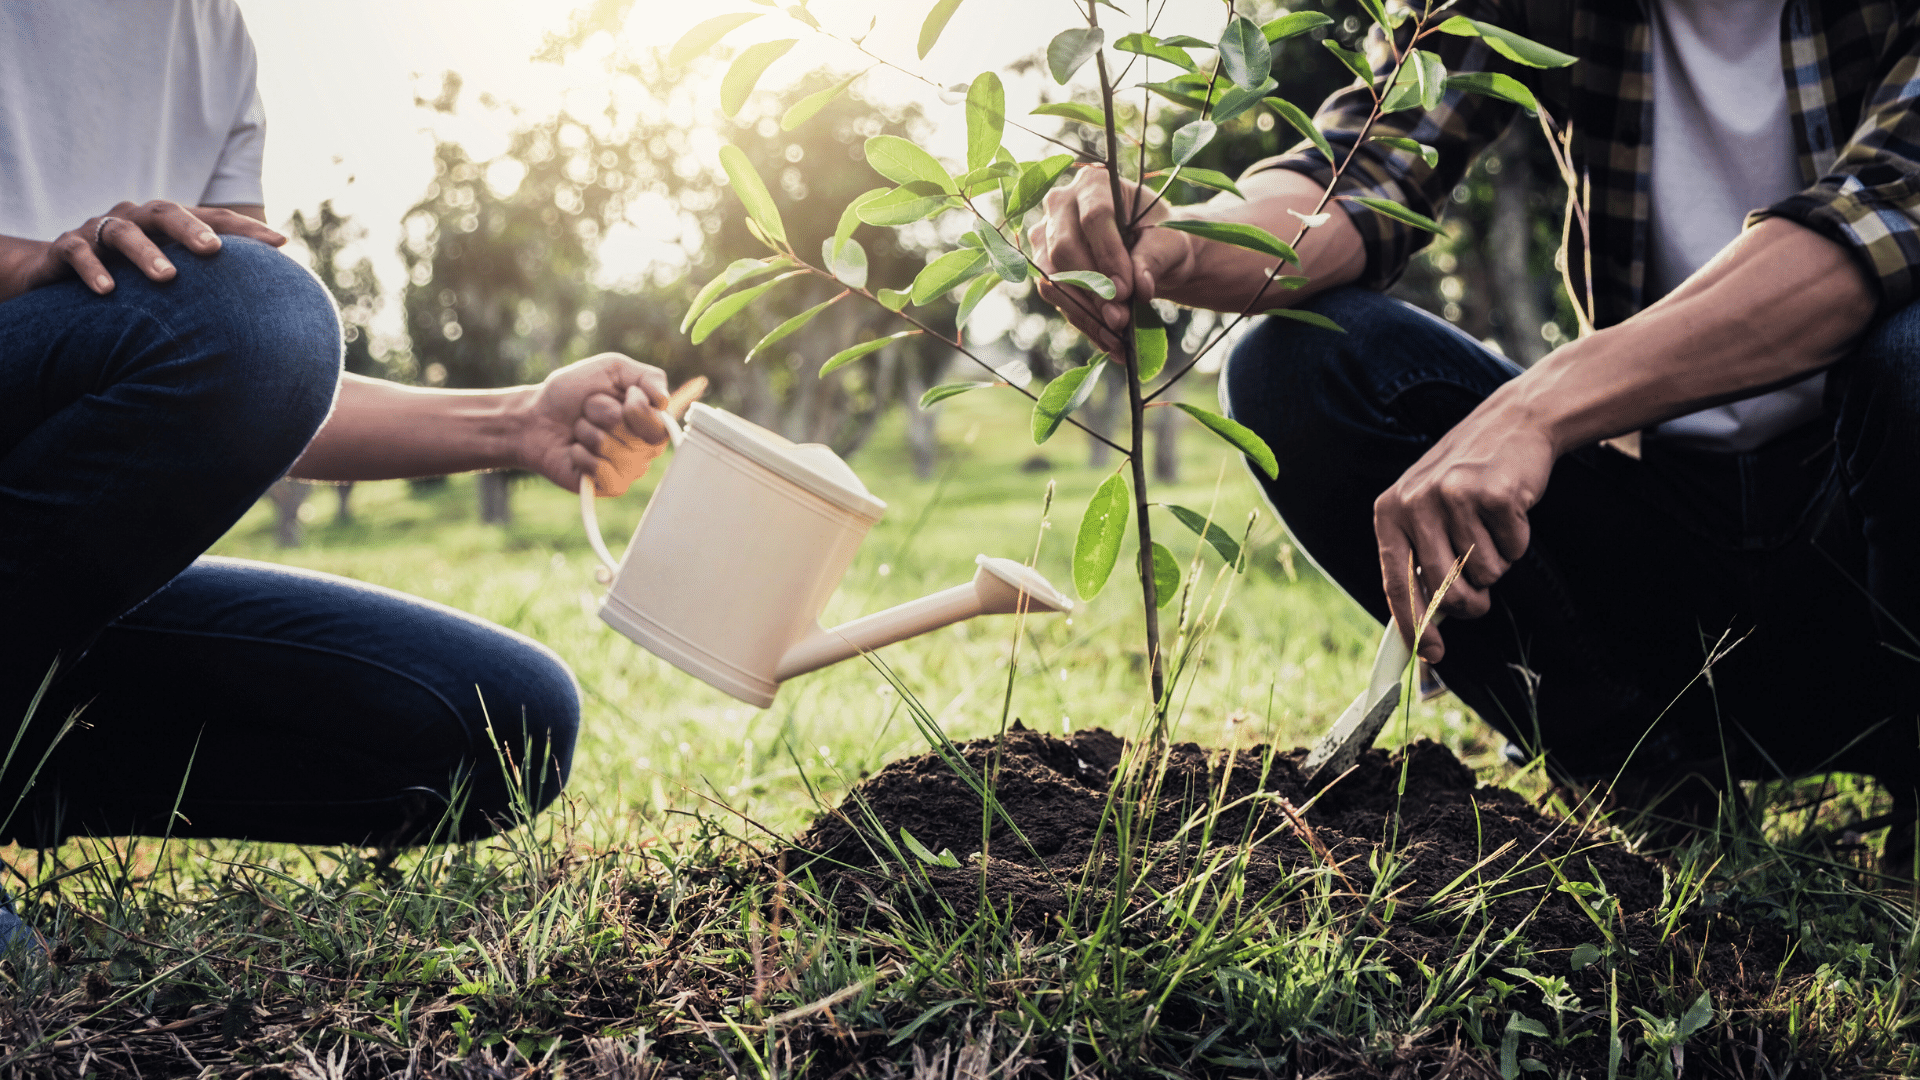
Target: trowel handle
1391 659
591 519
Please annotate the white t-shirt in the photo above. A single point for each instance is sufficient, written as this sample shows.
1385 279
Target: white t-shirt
1722 145
106 100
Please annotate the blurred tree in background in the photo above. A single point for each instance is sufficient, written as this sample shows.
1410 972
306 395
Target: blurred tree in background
501 253
356 292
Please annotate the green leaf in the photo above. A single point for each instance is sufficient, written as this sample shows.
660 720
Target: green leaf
729 306
1245 56
1584 956
977 291
1148 45
752 191
893 299
1377 12
1149 340
1239 99
737 272
850 217
1303 124
784 330
1424 152
1166 574
986 119
1227 546
945 273
935 23
848 265
746 71
904 163
1063 395
1395 211
1289 282
1071 48
1102 527
1311 318
1181 94
1495 85
1432 77
1239 234
1191 139
945 858
1236 435
1073 110
1208 178
1507 43
1093 281
807 107
1004 257
706 35
1698 1015
982 180
903 205
847 356
1356 62
1294 25
953 389
1036 180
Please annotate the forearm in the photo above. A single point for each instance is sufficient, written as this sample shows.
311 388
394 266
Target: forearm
17 258
383 431
1779 303
1227 278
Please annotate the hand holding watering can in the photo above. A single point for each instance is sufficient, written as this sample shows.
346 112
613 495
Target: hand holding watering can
742 544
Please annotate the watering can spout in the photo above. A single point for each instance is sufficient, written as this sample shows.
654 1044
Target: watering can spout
999 587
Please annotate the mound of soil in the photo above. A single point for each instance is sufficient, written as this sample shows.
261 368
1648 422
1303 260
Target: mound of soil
1059 792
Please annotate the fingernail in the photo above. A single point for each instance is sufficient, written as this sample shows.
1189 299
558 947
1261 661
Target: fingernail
103 283
208 237
161 266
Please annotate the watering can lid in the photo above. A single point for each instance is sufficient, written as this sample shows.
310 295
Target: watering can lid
810 465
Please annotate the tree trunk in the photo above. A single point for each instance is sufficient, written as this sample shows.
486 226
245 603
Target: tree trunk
287 495
496 506
1099 415
343 492
1166 446
923 440
1516 295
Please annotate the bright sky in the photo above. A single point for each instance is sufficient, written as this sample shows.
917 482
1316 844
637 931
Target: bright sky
338 80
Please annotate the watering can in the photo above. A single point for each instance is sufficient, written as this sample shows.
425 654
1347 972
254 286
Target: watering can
745 539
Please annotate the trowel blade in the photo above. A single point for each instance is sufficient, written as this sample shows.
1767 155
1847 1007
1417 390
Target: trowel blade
1356 729
1350 736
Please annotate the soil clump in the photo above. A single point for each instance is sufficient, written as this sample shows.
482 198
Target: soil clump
1445 835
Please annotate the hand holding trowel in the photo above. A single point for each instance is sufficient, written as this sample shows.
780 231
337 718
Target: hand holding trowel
1354 732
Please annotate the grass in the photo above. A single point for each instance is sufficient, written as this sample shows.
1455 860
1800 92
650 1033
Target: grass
644 927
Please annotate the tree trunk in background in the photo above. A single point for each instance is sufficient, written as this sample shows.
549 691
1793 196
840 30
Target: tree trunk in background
343 492
1100 414
923 441
287 495
496 505
1516 295
1165 425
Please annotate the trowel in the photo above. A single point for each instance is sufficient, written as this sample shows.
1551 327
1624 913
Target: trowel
1354 732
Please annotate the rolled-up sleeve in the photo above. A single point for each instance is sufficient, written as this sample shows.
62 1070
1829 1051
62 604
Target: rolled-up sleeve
1869 200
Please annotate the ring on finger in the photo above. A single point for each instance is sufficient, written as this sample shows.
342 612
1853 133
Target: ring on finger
100 229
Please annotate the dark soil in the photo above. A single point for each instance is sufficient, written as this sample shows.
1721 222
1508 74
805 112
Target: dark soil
1444 825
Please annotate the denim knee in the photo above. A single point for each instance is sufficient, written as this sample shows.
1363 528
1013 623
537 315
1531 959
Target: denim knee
528 727
262 342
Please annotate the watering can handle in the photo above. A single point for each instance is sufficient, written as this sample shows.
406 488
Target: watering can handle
591 519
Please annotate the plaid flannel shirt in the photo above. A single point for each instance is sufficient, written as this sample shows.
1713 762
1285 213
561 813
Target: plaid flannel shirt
1853 88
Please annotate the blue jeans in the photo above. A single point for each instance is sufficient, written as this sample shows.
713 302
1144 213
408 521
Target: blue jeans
1806 552
262 702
